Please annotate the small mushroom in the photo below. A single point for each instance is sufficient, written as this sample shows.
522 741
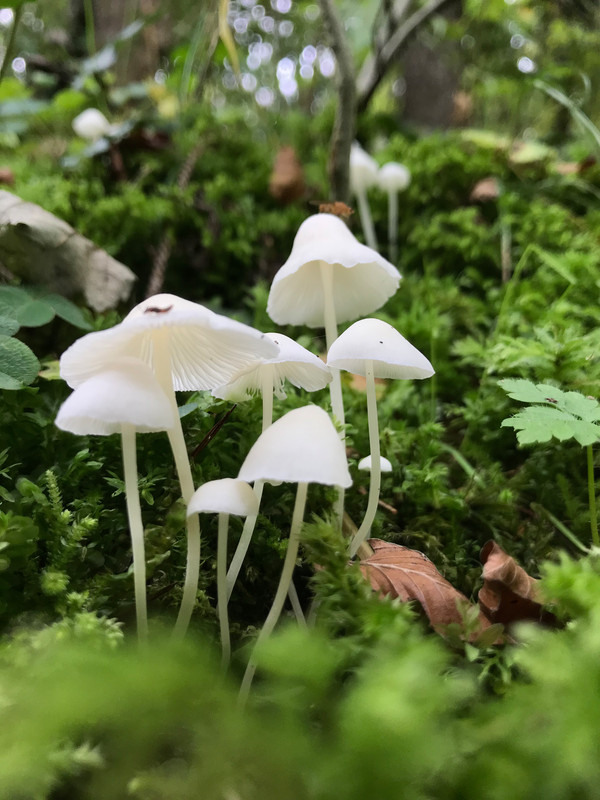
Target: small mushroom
374 349
92 125
188 347
366 463
223 497
393 178
123 399
363 174
294 363
301 447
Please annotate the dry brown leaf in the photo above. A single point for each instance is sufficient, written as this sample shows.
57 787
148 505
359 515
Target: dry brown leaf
286 183
485 190
338 209
508 593
409 575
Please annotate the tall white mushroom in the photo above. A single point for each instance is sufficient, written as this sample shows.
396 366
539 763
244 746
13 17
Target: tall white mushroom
124 398
301 447
393 178
188 347
363 174
223 497
374 349
267 376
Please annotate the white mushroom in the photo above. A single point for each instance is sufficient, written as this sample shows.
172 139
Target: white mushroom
366 463
393 178
188 347
374 349
301 447
363 174
92 125
125 398
294 363
223 497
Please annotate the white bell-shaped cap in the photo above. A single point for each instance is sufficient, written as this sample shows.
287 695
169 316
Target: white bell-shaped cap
204 349
393 177
91 124
293 363
392 355
366 464
224 496
303 446
362 279
125 394
363 169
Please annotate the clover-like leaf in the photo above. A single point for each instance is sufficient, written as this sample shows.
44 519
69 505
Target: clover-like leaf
556 413
18 364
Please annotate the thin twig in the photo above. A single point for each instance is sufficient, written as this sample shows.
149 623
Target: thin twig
345 120
375 67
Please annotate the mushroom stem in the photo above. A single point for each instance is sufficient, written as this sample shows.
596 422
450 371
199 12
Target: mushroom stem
136 528
266 377
223 527
375 483
282 588
335 387
162 369
365 218
250 522
393 225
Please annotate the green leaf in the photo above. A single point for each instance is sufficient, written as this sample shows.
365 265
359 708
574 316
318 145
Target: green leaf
67 310
29 311
556 414
18 364
8 323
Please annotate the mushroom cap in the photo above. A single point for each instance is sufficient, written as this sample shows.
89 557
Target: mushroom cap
127 393
91 124
224 496
293 363
303 446
366 464
392 355
362 279
393 177
205 348
363 169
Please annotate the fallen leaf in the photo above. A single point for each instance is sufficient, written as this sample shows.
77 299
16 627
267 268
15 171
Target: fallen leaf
485 190
338 209
286 183
409 575
508 593
47 251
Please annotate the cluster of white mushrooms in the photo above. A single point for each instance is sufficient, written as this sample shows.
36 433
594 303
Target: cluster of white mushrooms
391 178
125 379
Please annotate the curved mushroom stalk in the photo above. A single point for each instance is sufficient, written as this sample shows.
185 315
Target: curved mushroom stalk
393 178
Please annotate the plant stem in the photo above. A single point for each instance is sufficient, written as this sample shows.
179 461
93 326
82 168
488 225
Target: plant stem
592 496
282 588
18 11
222 588
136 528
393 225
90 35
366 221
375 483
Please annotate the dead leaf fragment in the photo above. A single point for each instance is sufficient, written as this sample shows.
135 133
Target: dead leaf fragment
286 183
485 190
337 208
409 575
508 593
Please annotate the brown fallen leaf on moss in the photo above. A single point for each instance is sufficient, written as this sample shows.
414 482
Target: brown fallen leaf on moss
409 575
286 183
508 593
